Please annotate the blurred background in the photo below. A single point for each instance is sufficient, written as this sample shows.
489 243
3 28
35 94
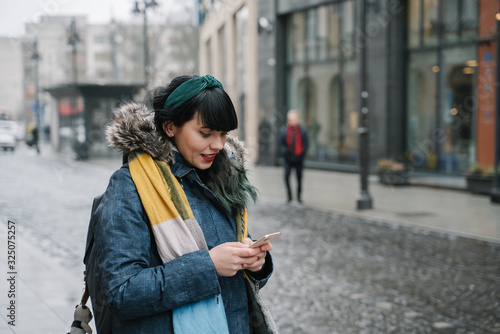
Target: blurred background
402 92
428 65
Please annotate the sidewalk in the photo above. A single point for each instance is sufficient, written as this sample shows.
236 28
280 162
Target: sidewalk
425 205
45 291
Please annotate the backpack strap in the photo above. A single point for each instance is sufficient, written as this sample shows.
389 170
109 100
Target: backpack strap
86 292
90 233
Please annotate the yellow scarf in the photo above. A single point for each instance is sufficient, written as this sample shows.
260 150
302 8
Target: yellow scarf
175 229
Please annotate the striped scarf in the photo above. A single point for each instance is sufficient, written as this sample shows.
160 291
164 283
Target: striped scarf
174 226
294 140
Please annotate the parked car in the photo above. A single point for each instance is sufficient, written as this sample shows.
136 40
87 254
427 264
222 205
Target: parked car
8 135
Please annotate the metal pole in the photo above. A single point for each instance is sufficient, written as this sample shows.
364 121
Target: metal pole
73 39
364 200
37 109
495 191
146 47
143 11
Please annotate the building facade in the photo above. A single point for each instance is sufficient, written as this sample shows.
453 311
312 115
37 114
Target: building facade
228 51
430 77
11 87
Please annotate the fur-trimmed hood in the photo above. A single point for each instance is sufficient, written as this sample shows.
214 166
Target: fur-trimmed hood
133 131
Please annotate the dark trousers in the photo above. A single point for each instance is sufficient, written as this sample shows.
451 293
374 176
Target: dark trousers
298 165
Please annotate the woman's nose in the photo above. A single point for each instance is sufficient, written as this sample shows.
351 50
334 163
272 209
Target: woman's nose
218 142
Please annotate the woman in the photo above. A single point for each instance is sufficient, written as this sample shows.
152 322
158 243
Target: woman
151 255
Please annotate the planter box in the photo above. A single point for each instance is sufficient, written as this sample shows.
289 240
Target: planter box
393 178
478 184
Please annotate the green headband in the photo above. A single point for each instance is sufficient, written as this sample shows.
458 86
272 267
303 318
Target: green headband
190 88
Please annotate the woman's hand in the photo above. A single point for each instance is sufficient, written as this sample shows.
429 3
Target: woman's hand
257 265
231 257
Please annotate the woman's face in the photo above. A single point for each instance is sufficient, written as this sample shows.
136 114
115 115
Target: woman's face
197 144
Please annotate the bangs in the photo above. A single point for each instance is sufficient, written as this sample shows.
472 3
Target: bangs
216 110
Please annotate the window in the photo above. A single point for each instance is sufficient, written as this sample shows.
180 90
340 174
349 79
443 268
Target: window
321 79
433 22
441 80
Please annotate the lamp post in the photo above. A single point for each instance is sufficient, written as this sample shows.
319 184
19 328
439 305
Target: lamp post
35 58
143 11
364 200
73 40
495 191
79 135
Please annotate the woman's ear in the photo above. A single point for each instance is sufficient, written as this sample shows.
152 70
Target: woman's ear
168 127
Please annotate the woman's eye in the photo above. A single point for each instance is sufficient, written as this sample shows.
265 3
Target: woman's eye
204 134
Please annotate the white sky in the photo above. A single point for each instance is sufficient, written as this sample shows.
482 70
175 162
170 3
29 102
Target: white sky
15 13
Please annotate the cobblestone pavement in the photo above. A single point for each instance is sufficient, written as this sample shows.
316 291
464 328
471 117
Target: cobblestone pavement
333 273
338 274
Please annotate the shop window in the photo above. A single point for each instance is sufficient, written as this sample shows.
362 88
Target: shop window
458 107
307 102
321 79
414 18
430 22
434 22
421 95
469 19
451 20
347 22
441 80
336 119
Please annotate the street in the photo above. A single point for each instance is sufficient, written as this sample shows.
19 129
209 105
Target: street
334 273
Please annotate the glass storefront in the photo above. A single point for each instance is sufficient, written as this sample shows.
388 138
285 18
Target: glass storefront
441 84
421 109
322 79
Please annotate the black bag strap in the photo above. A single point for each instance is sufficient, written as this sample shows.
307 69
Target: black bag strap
90 233
86 293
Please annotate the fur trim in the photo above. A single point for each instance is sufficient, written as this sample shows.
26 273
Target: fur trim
133 131
234 146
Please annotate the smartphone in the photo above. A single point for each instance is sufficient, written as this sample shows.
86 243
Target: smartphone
265 239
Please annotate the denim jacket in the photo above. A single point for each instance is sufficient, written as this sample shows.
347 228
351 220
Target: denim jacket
131 290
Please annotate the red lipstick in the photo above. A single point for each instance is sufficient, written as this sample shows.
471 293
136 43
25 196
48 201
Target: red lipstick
208 157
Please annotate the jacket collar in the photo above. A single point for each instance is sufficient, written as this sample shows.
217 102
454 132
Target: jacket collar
179 168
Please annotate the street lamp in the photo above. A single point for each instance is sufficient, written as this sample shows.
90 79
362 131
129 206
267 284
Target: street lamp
143 11
35 58
495 191
364 200
73 38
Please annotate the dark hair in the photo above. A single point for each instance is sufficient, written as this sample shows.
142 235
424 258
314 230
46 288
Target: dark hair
213 105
